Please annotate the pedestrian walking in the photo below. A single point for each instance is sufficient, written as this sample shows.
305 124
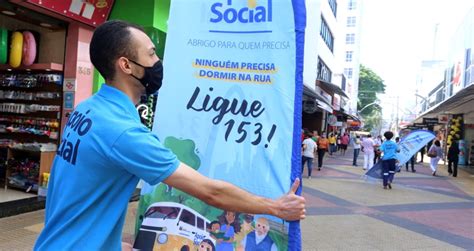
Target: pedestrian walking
356 145
377 153
323 146
389 149
344 143
368 145
422 153
435 153
412 163
315 136
88 193
309 151
332 143
453 158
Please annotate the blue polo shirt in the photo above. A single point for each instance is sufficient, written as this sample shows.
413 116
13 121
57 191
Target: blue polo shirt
389 149
104 152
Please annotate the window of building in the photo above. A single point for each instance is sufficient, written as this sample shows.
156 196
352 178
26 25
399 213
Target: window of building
351 21
350 38
348 72
352 4
333 5
349 56
326 34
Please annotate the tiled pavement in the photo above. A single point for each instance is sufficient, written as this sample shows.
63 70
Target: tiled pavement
346 212
421 212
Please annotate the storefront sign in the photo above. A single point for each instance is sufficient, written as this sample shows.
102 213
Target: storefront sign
332 120
68 100
69 85
421 125
430 121
443 119
91 12
233 65
336 102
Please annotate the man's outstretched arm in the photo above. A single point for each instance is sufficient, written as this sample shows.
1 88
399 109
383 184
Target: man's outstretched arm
226 196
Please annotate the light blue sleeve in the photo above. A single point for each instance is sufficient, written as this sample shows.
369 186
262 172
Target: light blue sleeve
141 153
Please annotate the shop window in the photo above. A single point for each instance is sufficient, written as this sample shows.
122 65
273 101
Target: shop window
31 97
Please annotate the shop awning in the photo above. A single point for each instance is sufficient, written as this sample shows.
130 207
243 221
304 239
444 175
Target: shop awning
461 102
333 88
325 107
322 102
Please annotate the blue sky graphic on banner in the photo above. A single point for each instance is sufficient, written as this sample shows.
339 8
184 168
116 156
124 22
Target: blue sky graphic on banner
227 110
409 146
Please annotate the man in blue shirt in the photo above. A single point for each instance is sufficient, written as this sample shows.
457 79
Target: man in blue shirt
389 159
105 150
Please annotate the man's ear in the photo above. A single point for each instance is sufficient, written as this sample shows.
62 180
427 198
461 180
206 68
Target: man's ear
123 64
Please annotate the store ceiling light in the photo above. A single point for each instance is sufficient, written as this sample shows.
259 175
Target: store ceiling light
7 12
46 25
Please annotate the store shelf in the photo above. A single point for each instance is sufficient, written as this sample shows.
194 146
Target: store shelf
34 67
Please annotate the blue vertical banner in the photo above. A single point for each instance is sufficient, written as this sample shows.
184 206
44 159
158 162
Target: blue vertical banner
230 107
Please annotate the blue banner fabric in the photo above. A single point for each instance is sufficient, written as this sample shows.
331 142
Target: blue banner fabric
230 107
409 146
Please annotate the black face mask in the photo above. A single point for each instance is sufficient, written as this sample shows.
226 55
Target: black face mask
153 77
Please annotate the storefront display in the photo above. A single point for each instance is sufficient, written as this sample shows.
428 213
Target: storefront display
31 99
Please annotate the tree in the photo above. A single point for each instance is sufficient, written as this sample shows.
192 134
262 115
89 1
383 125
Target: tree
369 85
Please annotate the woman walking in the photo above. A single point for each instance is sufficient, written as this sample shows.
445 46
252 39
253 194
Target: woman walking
435 153
453 158
323 146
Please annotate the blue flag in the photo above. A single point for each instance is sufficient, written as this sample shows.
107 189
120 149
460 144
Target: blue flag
409 146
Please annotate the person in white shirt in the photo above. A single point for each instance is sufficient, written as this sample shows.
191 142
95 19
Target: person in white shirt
309 150
259 238
356 144
368 149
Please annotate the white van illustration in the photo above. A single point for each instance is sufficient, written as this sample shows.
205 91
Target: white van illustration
172 226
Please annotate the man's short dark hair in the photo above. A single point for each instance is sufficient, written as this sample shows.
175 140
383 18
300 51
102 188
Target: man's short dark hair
110 41
388 135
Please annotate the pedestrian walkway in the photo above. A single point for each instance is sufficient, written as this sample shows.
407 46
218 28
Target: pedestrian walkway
421 212
346 212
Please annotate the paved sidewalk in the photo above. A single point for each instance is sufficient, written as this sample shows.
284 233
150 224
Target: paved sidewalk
345 212
421 212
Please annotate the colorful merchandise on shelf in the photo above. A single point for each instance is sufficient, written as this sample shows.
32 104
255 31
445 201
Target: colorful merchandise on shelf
29 48
16 49
3 45
23 174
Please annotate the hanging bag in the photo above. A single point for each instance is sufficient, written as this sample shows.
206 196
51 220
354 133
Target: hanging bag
432 153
